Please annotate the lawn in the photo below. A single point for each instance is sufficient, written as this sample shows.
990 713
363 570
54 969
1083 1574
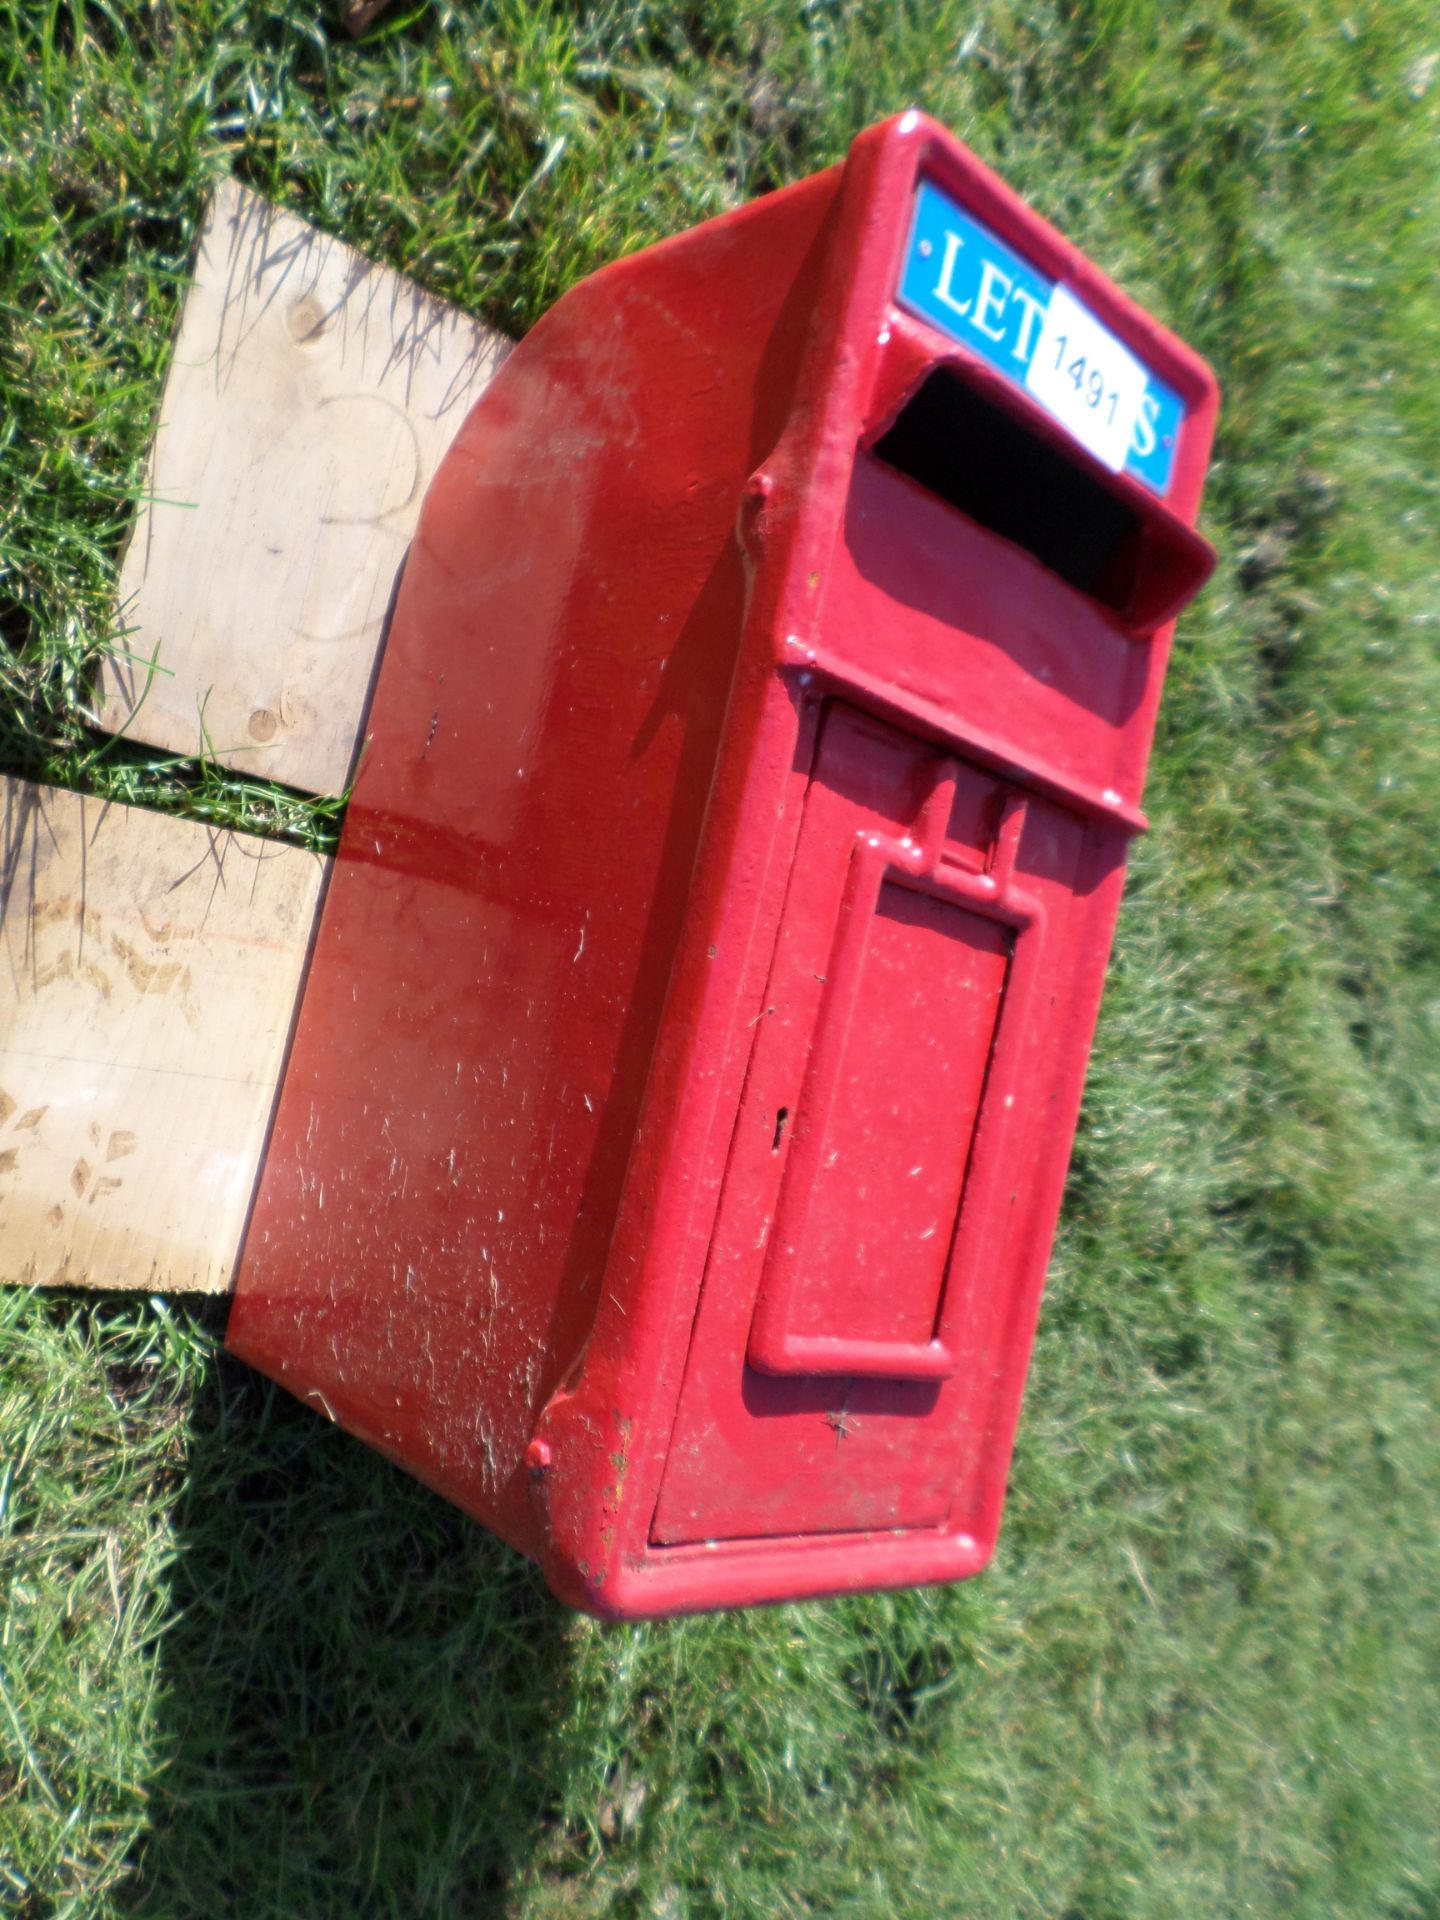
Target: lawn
246 1668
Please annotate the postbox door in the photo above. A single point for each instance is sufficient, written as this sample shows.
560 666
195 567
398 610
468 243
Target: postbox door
859 1268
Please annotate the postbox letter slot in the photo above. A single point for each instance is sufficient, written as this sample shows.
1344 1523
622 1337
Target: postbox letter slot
990 463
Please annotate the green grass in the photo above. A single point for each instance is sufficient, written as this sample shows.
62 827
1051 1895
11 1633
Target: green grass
245 1667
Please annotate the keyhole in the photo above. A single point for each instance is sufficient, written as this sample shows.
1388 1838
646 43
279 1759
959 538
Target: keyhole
781 1117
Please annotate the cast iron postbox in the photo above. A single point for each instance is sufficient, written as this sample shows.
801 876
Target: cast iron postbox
675 1126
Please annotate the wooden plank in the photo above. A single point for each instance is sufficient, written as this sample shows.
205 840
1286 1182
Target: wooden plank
310 398
154 964
150 971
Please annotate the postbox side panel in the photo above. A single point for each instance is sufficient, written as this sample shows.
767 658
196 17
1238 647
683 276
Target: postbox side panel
878 1202
478 1028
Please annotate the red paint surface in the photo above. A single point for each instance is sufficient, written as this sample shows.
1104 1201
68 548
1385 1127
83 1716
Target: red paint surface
716 768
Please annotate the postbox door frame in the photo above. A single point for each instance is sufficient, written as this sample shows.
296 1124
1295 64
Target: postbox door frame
925 865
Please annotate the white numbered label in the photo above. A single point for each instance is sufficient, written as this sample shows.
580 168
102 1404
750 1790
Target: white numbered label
1091 383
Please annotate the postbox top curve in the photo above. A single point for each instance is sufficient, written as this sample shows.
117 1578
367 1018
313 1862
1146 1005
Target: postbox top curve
887 169
917 147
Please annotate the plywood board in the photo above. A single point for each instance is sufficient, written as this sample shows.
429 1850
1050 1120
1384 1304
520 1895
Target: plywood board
148 978
310 398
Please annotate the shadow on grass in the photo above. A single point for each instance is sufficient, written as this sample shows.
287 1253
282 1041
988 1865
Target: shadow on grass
360 1688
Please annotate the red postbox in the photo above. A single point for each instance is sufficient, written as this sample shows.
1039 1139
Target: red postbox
670 1149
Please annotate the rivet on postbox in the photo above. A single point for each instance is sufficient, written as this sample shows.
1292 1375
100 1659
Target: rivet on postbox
674 1131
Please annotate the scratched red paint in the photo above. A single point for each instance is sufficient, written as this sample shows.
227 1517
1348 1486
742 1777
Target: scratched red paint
671 1145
